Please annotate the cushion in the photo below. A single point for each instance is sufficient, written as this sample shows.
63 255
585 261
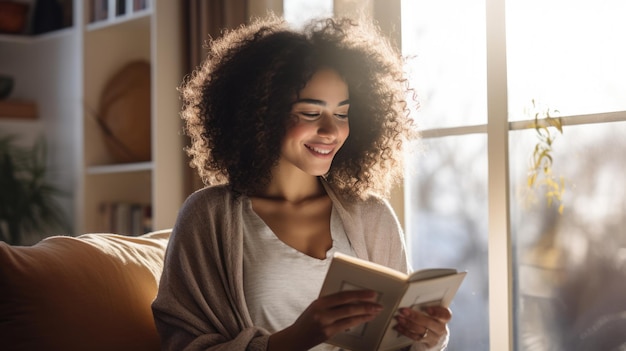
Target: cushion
91 292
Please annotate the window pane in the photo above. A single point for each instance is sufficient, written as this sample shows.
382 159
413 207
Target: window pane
571 267
298 12
566 54
446 39
446 194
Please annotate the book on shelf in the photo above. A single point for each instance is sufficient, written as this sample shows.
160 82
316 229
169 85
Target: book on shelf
18 109
120 8
124 7
126 218
99 10
395 289
140 5
103 10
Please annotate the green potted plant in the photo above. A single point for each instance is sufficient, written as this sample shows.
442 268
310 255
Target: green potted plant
28 201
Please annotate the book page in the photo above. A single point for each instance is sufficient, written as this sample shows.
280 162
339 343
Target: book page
430 273
343 277
433 292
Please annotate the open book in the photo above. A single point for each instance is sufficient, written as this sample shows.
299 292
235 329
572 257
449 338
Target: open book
395 290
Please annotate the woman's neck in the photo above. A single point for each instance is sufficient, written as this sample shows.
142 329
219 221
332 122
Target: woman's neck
293 187
294 192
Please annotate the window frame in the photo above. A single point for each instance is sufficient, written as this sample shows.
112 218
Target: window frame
499 246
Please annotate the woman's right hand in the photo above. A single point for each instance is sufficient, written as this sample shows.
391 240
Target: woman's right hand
326 317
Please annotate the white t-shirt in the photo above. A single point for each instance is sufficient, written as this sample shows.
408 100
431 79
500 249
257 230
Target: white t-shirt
279 281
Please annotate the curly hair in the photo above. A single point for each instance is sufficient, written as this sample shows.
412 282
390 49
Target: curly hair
237 103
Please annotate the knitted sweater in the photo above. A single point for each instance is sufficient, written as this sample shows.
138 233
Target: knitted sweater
201 305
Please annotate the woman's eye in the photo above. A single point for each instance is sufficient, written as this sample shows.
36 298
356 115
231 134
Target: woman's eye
317 114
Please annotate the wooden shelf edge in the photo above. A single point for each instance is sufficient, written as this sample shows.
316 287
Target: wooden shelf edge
120 168
18 109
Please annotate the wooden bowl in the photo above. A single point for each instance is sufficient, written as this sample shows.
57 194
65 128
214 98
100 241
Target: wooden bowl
125 113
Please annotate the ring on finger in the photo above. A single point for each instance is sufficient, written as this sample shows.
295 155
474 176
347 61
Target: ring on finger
425 334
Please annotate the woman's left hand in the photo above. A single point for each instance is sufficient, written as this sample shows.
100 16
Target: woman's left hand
427 326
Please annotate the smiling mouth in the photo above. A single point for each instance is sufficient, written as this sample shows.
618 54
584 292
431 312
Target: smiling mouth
321 151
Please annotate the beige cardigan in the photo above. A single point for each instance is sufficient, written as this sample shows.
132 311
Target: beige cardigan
200 303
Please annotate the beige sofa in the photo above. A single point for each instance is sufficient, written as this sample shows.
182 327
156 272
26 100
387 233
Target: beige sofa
91 292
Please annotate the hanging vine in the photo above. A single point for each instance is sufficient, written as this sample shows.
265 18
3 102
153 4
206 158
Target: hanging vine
540 174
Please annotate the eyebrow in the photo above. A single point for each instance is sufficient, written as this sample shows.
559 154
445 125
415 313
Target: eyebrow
320 102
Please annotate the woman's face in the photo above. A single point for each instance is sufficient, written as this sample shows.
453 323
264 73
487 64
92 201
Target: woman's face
319 125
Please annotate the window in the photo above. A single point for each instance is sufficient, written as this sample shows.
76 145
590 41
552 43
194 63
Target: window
446 187
568 270
298 12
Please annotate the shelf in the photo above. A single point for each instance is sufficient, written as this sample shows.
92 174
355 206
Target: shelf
120 168
30 39
18 109
64 73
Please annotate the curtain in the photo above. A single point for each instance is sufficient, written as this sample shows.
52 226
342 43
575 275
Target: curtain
205 19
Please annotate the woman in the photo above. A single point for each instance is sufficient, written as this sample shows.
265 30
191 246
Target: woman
298 135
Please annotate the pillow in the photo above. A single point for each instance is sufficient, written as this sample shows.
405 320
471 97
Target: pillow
92 292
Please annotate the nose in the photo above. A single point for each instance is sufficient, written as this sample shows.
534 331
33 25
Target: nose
327 126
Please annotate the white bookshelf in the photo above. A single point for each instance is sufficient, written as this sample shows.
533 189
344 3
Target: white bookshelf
65 71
